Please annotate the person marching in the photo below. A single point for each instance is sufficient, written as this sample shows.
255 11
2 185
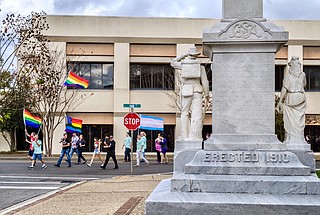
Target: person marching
143 136
65 150
127 145
96 151
158 148
81 144
140 150
74 145
31 150
37 153
111 147
164 149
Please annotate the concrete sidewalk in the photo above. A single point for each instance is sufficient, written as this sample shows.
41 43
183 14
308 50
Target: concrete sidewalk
117 195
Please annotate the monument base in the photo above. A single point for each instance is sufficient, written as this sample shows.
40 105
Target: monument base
163 201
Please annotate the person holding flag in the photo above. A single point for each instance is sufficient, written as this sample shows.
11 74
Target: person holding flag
33 122
37 153
30 150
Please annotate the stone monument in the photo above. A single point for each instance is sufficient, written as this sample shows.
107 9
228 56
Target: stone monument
243 168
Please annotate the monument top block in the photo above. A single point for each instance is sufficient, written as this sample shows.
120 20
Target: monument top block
245 9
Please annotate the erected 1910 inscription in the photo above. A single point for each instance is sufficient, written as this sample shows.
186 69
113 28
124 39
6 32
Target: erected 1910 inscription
247 156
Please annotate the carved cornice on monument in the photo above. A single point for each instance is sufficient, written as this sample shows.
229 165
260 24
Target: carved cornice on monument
245 29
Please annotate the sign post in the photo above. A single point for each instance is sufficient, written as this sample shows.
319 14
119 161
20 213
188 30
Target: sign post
131 121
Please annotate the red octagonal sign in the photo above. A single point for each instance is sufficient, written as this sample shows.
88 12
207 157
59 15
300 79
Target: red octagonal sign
131 121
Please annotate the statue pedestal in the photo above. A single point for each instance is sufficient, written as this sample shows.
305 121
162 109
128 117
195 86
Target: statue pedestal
163 201
261 181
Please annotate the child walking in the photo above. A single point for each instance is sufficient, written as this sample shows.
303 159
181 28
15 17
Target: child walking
96 152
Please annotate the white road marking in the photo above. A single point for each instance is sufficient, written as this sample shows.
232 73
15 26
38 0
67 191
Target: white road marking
52 178
29 182
28 188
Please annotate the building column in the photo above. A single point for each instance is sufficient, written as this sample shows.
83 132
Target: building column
121 92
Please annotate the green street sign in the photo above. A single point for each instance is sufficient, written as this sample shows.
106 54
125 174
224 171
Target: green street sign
132 105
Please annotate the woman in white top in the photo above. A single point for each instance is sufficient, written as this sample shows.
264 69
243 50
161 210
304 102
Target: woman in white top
96 152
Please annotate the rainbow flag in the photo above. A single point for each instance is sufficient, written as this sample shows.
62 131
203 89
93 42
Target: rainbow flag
30 120
76 81
73 125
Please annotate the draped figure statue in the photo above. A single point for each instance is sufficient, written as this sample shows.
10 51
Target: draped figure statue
293 102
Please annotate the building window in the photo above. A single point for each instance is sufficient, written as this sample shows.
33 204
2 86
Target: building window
279 74
100 76
151 76
313 78
91 131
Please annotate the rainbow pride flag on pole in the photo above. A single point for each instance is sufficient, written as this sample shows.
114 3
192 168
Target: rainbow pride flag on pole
76 81
31 120
73 125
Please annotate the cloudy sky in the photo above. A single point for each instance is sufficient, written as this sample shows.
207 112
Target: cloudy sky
273 9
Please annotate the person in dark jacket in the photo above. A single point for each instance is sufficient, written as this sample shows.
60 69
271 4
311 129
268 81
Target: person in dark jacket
111 147
81 144
65 150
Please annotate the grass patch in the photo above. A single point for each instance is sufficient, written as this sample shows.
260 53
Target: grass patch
318 173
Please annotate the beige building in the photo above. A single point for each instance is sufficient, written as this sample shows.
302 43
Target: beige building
127 60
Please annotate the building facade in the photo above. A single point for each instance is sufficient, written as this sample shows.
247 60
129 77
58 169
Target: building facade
127 61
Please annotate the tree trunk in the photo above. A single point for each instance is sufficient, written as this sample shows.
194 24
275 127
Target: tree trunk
13 144
45 141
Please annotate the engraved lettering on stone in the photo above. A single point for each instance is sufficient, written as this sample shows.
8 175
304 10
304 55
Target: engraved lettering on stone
223 157
215 157
285 158
244 30
208 156
277 158
247 157
231 157
255 157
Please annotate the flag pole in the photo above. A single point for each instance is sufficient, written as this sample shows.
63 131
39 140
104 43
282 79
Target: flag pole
45 117
24 122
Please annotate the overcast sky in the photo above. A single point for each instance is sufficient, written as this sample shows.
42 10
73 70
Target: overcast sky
273 9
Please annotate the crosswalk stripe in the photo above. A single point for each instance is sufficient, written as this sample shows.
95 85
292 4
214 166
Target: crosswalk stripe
42 177
28 188
29 182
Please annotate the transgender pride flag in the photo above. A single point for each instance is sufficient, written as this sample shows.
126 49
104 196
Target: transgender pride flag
151 123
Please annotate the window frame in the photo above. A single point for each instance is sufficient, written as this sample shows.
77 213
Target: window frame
76 67
153 70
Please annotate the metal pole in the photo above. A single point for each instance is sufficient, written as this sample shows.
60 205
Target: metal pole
131 133
131 160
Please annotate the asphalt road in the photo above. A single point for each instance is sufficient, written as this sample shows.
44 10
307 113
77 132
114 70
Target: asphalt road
18 184
11 167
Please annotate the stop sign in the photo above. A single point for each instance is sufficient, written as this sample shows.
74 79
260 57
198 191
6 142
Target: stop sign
131 121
